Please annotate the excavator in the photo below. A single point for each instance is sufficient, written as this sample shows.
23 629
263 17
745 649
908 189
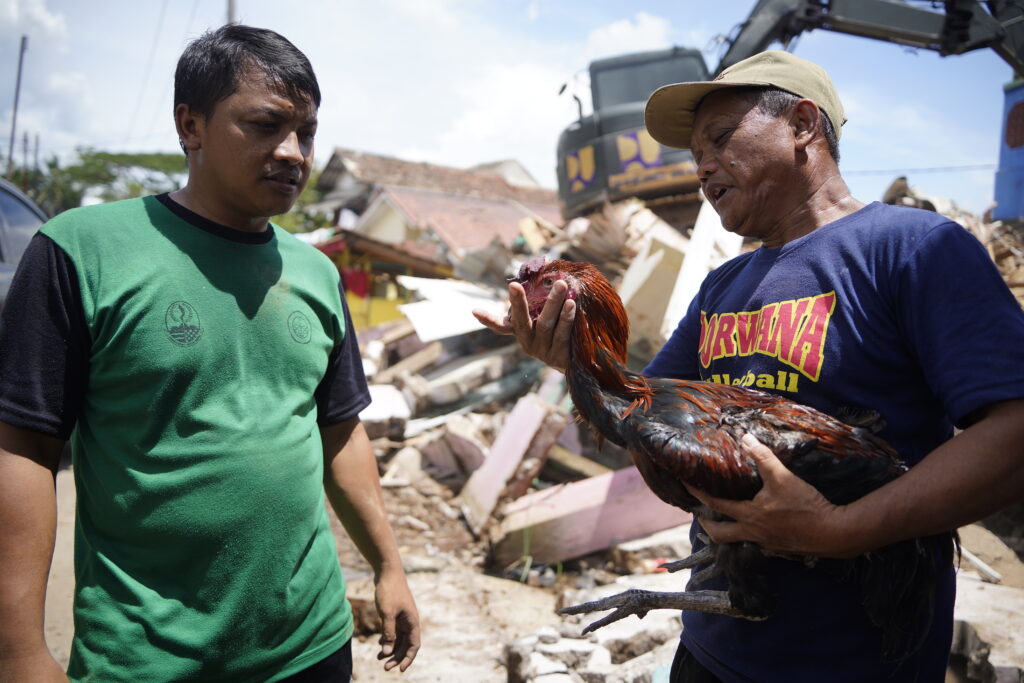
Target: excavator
608 155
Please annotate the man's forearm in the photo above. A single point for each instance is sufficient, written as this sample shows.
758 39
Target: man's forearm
966 479
28 518
971 476
353 489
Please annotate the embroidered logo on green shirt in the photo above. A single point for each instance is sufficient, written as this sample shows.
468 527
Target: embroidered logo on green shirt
298 325
182 322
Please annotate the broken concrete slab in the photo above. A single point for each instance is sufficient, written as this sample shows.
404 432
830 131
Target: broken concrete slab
486 484
575 653
419 360
536 456
387 413
989 629
571 520
458 378
639 651
650 667
447 308
459 450
404 468
663 278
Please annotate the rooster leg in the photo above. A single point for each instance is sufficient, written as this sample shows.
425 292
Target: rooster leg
640 602
697 578
702 555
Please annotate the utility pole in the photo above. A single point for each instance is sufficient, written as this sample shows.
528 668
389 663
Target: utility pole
14 114
24 161
231 11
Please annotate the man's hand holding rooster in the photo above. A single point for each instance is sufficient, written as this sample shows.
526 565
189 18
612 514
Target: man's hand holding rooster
547 337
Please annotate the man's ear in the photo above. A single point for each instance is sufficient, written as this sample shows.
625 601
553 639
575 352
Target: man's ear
190 127
806 122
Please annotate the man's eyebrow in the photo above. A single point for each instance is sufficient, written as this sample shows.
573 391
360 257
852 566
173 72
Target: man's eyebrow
276 113
279 114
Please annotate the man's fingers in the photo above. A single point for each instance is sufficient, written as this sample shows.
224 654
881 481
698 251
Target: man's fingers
723 505
493 324
564 327
552 310
409 645
722 532
768 464
519 310
387 636
402 648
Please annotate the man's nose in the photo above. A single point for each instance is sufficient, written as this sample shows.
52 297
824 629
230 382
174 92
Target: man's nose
289 149
706 168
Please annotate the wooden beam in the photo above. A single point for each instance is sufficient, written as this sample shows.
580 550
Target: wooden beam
535 457
480 495
582 517
428 355
565 465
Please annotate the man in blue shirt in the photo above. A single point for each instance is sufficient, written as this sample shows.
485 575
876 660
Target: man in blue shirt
844 305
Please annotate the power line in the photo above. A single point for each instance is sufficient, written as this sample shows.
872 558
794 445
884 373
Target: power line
149 65
929 169
161 112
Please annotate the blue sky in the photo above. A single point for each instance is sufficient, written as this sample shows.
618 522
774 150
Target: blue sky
461 82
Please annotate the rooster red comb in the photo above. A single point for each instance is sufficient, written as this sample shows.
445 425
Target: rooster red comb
529 269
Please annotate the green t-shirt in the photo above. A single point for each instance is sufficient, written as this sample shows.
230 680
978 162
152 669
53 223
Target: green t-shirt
202 545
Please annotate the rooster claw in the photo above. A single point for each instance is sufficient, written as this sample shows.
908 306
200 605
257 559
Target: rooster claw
640 602
702 555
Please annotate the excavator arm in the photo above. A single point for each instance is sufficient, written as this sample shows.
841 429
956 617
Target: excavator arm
963 26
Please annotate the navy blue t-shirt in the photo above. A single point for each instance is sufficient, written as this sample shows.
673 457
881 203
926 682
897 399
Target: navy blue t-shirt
890 309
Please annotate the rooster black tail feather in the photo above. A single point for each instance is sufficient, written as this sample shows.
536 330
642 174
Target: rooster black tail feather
898 584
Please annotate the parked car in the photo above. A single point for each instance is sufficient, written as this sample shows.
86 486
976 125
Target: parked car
20 218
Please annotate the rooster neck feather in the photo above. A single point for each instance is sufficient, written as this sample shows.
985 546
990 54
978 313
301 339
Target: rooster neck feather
600 335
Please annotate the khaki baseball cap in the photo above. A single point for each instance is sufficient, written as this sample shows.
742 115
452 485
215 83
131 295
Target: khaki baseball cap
671 109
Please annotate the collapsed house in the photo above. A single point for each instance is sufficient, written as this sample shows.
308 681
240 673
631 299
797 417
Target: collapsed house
392 217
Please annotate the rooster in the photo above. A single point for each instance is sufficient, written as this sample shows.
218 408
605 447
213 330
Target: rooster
682 433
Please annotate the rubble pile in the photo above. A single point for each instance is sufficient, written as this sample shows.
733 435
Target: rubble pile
611 237
1005 245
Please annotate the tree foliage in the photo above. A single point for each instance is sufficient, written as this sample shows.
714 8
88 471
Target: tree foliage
107 176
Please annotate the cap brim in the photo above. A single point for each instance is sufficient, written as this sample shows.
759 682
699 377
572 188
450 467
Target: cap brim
672 108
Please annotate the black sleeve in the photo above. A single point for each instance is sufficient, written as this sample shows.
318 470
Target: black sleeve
44 343
343 392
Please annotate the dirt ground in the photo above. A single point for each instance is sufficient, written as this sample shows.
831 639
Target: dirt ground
466 616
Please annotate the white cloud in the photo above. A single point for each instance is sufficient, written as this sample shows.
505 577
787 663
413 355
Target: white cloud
643 32
446 13
507 110
30 16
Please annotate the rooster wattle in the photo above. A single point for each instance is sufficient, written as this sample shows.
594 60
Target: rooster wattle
688 432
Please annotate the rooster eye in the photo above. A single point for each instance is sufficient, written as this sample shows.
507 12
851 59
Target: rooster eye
548 281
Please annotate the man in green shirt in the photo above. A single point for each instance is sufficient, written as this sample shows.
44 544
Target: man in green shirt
202 363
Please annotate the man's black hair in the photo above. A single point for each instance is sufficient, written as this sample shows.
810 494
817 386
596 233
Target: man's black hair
776 102
209 68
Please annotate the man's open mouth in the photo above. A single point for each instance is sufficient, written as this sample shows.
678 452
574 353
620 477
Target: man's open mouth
716 192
